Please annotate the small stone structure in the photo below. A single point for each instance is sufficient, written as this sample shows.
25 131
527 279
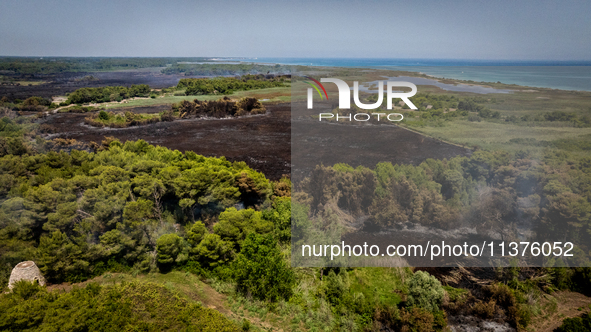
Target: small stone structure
25 271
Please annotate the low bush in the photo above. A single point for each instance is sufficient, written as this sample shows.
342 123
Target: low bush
121 307
123 120
577 324
425 291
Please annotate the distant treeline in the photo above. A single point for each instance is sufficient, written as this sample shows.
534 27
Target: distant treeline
582 143
226 69
107 94
36 65
227 85
581 121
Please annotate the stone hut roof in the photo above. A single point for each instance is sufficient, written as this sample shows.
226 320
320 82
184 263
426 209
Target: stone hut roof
25 271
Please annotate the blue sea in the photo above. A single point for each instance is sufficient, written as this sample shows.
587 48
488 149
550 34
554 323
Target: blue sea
565 75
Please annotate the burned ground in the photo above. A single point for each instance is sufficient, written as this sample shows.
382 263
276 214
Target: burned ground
357 143
262 141
60 84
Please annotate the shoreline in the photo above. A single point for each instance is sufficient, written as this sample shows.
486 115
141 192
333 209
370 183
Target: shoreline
476 81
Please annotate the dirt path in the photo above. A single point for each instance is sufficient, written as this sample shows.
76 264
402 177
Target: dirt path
568 305
197 291
186 284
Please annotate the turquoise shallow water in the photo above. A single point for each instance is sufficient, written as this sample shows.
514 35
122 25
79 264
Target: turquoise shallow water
554 77
444 86
565 75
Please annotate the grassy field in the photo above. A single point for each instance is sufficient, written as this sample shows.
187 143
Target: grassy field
496 134
378 284
541 100
280 94
492 135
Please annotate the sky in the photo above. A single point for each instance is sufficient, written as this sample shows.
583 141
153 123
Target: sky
492 30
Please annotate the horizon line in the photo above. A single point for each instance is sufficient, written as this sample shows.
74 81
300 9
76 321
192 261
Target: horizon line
290 57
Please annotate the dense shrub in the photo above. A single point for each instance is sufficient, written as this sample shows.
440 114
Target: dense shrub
34 104
425 291
13 146
212 251
577 324
169 248
260 269
124 120
280 216
126 196
474 118
504 298
336 287
221 108
102 115
222 69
